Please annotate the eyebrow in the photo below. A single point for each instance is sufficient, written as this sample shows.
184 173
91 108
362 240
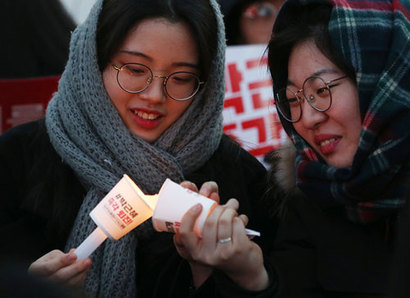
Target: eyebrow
139 54
316 74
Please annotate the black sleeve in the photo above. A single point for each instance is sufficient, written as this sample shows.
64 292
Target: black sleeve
20 231
175 280
293 256
39 194
239 175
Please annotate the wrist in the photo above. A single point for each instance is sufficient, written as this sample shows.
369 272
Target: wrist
251 281
200 273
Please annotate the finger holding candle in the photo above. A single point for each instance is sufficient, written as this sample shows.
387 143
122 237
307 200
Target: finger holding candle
225 226
245 221
174 201
189 185
185 238
234 254
233 204
210 232
61 267
73 275
51 262
195 248
210 190
224 245
241 259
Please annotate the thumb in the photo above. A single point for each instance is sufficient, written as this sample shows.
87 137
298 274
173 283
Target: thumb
189 219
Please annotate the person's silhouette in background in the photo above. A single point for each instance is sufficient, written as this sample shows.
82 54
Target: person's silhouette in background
35 37
249 21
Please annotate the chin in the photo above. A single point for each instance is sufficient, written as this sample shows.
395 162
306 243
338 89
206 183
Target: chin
340 163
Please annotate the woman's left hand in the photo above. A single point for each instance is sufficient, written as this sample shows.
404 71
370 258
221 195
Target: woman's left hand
224 245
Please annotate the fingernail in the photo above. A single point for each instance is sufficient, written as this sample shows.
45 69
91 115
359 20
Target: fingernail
205 190
197 208
71 256
87 262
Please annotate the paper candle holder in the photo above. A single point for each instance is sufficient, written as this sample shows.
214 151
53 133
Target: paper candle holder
126 206
121 210
174 201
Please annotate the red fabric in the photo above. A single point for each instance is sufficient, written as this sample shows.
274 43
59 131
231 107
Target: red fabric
23 100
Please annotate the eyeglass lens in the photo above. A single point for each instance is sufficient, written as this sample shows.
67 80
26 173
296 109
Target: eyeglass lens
134 78
260 10
315 91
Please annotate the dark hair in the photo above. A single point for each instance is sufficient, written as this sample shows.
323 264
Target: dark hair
232 19
35 38
296 24
117 18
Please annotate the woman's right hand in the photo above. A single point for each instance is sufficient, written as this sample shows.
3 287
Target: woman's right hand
236 255
62 268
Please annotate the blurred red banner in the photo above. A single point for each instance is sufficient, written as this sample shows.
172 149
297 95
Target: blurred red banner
23 100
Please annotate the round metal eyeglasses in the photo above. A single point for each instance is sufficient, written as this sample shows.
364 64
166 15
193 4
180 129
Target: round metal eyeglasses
136 77
315 90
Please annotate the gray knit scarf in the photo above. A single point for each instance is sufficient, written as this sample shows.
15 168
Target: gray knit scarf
89 135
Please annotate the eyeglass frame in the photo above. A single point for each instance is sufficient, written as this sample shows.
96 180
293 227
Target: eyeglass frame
300 99
151 78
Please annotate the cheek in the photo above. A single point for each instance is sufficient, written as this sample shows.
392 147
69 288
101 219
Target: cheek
178 108
111 87
107 80
348 112
298 127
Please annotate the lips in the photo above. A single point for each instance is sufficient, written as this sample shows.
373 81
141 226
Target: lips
327 143
146 118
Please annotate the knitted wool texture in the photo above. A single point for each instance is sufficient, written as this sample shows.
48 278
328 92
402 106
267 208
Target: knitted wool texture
373 37
89 135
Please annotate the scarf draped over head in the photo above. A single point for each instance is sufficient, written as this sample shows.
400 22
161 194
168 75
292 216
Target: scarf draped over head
374 37
89 135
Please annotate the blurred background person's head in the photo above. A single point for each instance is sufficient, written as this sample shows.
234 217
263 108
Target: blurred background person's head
35 36
249 21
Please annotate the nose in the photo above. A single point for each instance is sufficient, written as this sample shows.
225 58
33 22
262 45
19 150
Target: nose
155 92
311 118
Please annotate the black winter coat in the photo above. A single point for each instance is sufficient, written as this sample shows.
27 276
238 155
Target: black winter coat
40 196
319 253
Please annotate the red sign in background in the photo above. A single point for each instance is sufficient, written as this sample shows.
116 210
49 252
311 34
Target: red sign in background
249 114
23 100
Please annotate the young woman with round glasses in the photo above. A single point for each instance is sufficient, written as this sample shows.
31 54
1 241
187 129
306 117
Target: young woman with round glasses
342 91
141 94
